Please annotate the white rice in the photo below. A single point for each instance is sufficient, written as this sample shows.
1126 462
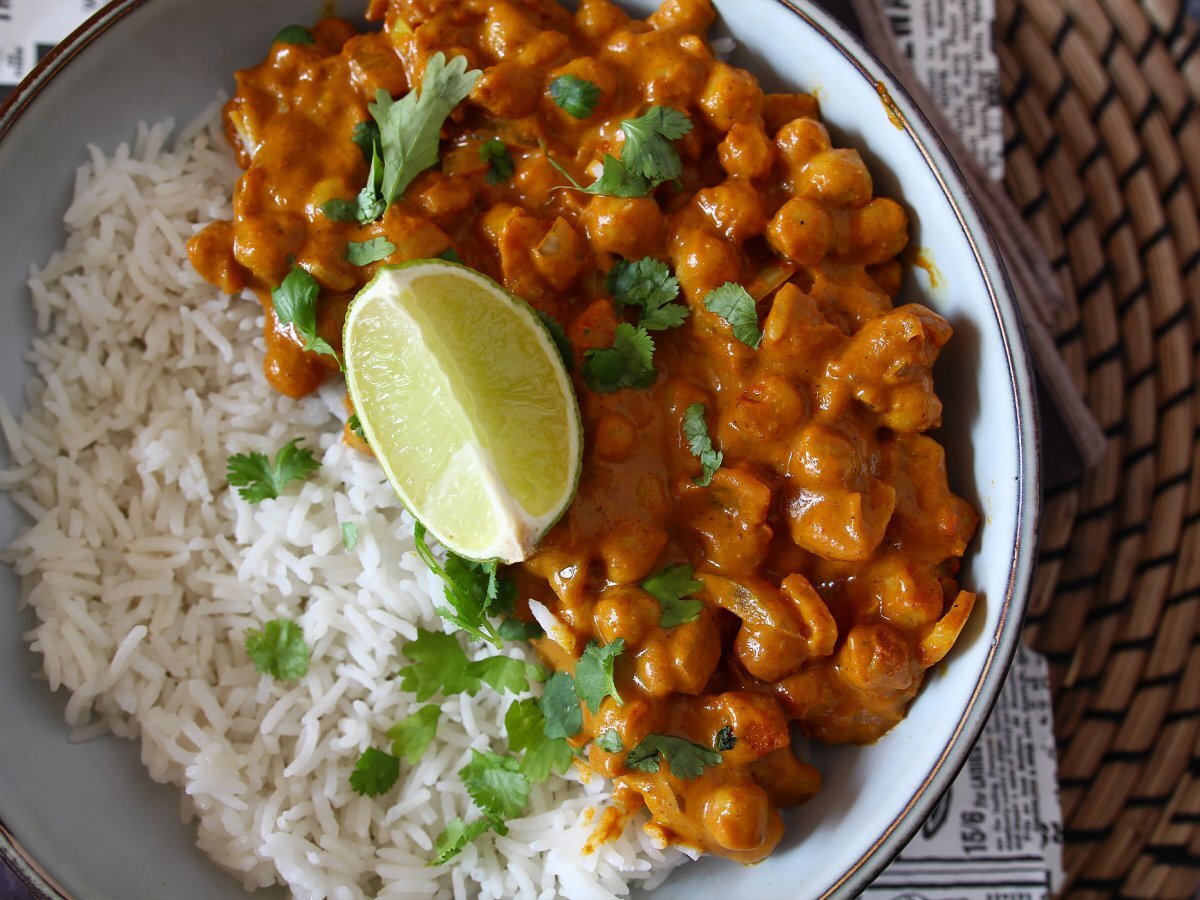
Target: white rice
145 569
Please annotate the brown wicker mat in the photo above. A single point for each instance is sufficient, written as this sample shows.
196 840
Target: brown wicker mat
1103 148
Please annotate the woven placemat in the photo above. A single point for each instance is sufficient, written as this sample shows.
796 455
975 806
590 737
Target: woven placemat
1103 149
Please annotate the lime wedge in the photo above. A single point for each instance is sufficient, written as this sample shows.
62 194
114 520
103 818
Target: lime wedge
466 402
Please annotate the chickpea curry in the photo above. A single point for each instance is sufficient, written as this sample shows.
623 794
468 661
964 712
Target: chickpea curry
781 465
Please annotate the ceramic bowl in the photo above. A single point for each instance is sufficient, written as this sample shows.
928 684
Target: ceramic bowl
86 821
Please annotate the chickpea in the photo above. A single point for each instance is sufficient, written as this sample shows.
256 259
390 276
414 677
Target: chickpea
877 658
746 151
801 231
824 456
628 226
730 96
680 659
597 19
440 196
626 612
779 109
265 243
507 90
837 177
560 256
875 233
735 210
909 597
799 141
703 262
684 15
615 437
630 550
506 30
736 815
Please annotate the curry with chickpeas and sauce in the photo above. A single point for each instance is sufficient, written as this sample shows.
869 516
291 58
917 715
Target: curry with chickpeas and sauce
825 541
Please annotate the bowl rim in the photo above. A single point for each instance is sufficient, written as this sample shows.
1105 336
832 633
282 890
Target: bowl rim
1005 637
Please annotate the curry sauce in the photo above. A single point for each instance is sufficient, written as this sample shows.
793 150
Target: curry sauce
828 542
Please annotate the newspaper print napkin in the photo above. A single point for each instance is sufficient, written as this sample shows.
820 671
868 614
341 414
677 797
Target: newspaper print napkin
997 832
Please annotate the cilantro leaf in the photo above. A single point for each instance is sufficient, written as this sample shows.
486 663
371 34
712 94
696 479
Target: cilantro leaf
629 362
514 629
687 760
411 737
279 650
496 785
574 95
733 303
649 285
610 741
367 252
439 666
726 738
594 673
295 303
450 255
294 34
340 210
409 128
503 673
526 727
349 535
258 479
559 335
669 587
695 429
375 773
615 180
500 162
366 135
455 837
356 426
560 706
369 201
471 587
648 150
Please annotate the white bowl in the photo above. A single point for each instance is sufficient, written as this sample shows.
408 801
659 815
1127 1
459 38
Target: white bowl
87 821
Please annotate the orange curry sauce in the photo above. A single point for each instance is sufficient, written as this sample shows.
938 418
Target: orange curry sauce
828 542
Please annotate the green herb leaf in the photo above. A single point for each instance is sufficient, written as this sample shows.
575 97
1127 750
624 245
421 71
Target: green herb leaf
514 629
366 135
369 201
294 34
629 363
648 150
559 335
295 303
726 740
574 95
610 741
439 666
615 180
257 478
279 650
349 535
409 128
455 837
367 252
560 706
541 755
695 431
687 760
450 255
496 785
471 587
340 211
375 773
356 426
735 305
669 587
502 673
594 673
649 285
500 163
411 737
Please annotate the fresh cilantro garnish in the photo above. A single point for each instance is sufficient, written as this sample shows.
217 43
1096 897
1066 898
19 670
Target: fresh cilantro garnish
560 706
410 737
471 588
526 727
340 211
500 163
628 363
649 285
669 587
367 252
594 673
687 760
356 427
455 837
733 303
648 157
611 741
441 667
368 205
375 773
366 135
514 629
294 34
450 255
695 430
726 739
295 303
559 335
257 478
349 535
409 128
574 95
279 650
496 785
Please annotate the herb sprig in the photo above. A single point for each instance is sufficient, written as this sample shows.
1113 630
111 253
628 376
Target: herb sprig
695 431
258 478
